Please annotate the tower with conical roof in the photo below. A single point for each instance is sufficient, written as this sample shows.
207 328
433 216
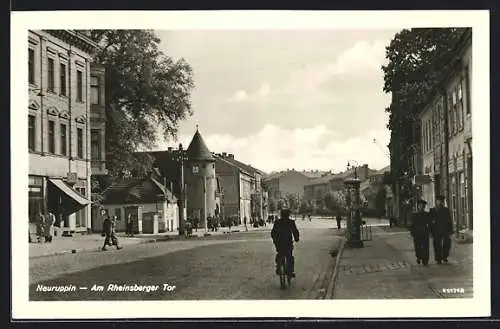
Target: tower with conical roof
200 180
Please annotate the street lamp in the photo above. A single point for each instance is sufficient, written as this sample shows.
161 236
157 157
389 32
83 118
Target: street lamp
353 210
181 157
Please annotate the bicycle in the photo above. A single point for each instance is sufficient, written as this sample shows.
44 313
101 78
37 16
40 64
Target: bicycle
284 271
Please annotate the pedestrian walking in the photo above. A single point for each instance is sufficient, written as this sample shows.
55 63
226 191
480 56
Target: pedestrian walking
129 225
441 229
49 227
196 222
309 217
420 230
40 226
339 220
245 222
109 231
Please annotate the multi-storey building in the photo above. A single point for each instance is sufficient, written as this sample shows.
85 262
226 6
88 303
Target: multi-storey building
236 184
250 179
59 127
443 158
98 105
282 183
459 111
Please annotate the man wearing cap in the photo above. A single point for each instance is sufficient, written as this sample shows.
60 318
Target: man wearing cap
420 229
442 228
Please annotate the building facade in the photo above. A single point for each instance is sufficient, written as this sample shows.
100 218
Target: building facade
98 106
280 184
315 189
445 147
59 127
459 112
236 184
152 207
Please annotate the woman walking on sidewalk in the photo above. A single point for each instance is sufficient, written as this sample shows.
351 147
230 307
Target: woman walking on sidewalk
420 229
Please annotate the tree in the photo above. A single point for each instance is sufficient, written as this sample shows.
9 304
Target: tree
417 60
334 202
305 207
380 201
292 201
147 91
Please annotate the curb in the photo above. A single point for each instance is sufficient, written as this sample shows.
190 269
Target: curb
333 280
82 250
142 241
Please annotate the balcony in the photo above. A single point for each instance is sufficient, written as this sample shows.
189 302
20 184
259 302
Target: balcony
98 167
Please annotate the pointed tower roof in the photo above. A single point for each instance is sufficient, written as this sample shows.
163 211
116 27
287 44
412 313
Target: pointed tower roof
198 150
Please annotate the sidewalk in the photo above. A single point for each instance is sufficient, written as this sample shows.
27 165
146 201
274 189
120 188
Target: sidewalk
386 268
93 242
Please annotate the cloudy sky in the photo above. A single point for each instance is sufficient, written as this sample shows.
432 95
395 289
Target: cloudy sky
279 99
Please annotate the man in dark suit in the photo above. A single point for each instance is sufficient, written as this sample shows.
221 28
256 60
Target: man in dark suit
282 233
442 229
420 229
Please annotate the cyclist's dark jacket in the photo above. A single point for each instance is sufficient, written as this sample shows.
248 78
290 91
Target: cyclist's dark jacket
282 233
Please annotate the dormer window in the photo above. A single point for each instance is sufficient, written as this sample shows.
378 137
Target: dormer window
196 169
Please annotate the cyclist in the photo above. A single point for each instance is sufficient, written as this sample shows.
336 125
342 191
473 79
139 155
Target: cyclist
284 229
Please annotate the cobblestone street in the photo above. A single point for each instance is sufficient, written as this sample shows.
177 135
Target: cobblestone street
231 266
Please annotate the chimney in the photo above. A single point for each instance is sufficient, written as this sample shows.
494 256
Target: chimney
224 154
231 156
365 171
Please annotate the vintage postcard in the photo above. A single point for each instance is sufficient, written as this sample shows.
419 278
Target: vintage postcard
250 164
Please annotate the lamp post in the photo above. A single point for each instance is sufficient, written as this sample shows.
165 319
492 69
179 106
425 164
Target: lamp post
353 210
181 157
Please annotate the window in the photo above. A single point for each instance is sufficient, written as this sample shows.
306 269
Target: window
64 139
63 79
451 120
94 90
455 112
31 66
79 137
460 104
31 132
467 89
50 75
423 137
52 136
95 144
79 86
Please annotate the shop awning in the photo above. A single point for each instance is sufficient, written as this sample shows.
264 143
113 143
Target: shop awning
69 192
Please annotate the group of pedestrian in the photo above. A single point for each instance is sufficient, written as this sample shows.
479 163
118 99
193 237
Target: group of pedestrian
45 227
109 230
436 223
213 223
